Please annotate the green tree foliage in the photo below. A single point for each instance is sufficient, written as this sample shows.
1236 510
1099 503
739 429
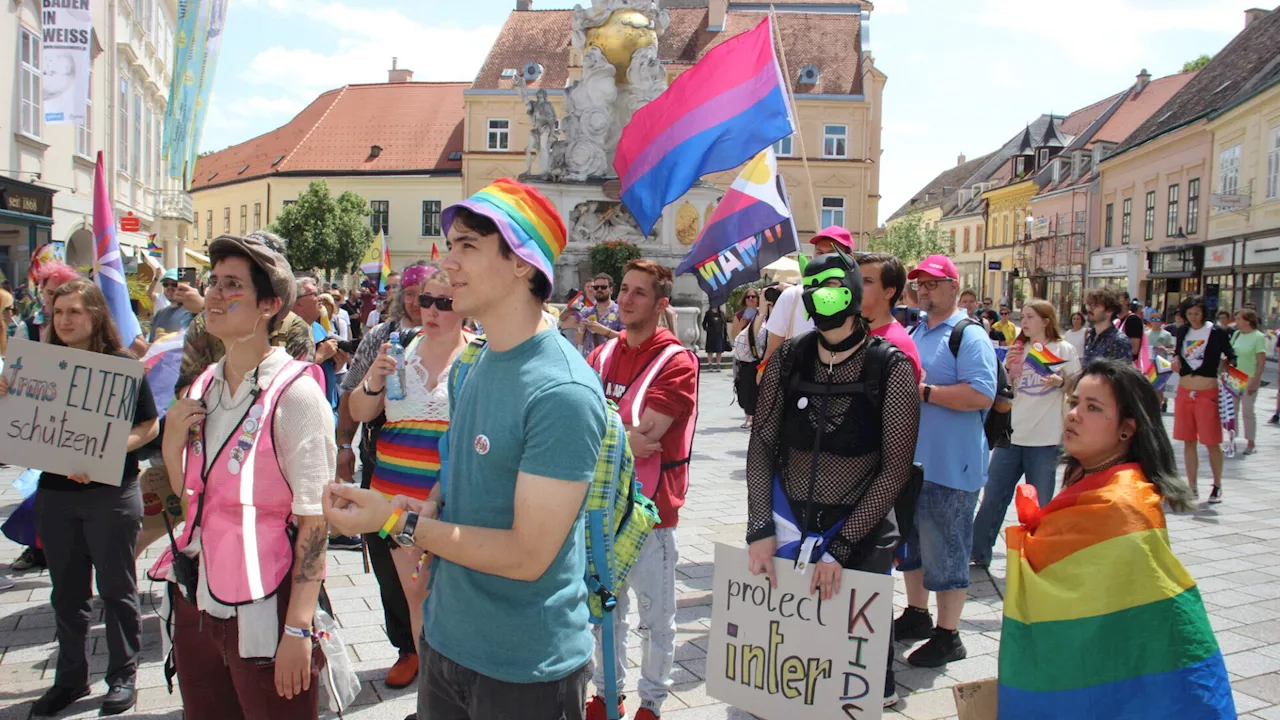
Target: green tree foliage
610 257
910 240
1197 64
325 232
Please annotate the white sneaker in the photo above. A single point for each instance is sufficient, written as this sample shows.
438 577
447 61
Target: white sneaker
7 582
891 699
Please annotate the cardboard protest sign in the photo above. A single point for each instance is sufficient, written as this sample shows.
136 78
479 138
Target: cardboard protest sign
68 410
783 653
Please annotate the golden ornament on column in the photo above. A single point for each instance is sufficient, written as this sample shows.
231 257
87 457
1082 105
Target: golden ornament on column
625 32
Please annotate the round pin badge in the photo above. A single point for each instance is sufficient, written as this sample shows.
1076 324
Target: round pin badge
255 412
482 445
250 426
237 454
802 403
197 448
233 466
246 441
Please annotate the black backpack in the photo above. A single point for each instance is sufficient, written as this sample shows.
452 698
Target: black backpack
998 424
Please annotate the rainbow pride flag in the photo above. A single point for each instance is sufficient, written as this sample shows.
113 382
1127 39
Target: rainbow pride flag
1159 372
1042 360
386 264
1236 381
1100 618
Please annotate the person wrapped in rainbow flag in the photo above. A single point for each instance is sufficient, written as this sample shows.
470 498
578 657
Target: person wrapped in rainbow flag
1101 620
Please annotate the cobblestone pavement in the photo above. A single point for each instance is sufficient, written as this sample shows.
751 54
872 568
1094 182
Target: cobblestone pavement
1231 549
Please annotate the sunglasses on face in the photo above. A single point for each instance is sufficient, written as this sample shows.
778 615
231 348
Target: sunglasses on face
600 287
169 285
753 297
443 304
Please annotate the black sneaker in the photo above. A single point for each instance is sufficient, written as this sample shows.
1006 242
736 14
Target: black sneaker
119 699
1275 419
30 559
56 699
913 624
942 648
343 542
1215 495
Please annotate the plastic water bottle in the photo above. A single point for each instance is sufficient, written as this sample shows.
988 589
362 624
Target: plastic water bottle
395 381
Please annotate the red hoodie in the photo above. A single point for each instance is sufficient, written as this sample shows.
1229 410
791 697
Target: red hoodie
674 393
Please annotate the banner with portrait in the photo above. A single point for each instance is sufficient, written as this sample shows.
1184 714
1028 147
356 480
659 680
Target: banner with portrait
67 29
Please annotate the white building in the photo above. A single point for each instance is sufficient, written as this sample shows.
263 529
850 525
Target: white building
46 171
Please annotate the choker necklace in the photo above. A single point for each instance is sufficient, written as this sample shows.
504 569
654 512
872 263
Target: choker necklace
854 338
1105 466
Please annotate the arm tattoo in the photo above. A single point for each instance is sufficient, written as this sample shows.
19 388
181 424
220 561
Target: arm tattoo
310 563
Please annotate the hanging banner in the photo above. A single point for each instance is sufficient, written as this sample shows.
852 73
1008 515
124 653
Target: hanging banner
216 21
67 410
182 90
67 27
741 262
785 653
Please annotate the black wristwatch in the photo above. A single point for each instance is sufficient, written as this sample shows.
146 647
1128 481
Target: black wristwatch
405 537
928 390
370 393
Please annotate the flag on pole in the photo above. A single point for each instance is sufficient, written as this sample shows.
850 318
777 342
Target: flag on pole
108 270
162 363
371 263
386 264
714 117
752 204
435 252
153 248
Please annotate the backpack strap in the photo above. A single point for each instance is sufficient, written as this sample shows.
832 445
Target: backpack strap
957 336
467 359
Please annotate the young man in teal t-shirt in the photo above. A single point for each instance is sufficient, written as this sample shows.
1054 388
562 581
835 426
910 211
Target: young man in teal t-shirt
505 631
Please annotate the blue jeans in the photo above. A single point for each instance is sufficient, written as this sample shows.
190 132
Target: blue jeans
942 534
1007 467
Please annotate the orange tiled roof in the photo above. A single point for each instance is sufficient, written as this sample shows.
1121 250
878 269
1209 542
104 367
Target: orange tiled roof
831 41
1136 109
416 125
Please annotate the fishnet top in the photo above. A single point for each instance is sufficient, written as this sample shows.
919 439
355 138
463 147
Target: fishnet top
840 480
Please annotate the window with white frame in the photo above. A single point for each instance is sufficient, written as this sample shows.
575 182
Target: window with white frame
257 216
783 148
1193 206
135 164
499 135
1229 171
835 141
158 136
244 219
832 211
146 149
122 127
431 218
1273 165
84 128
29 76
380 216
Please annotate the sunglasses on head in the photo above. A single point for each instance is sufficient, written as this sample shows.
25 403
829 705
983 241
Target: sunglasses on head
443 304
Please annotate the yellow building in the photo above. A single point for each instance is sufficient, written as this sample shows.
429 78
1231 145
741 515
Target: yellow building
941 203
1246 176
836 86
1008 208
397 144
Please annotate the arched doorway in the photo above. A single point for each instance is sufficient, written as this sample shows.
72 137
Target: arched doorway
80 248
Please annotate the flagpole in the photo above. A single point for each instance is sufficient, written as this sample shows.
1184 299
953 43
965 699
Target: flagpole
795 112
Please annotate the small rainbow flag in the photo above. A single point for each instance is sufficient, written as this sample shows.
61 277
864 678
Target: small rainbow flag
1101 620
435 253
153 248
386 264
1042 360
1237 380
1159 372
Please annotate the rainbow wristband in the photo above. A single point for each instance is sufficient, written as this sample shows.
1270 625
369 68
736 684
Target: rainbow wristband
390 524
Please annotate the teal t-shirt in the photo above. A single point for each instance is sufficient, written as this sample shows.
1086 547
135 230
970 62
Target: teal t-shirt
537 408
1247 346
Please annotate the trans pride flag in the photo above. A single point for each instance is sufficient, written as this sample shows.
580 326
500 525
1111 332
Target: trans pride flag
715 116
107 266
1100 618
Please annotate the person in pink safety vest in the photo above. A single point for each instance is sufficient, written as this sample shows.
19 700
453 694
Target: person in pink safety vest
250 447
654 381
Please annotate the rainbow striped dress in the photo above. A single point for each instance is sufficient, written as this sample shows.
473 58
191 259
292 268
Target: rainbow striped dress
408 451
1100 618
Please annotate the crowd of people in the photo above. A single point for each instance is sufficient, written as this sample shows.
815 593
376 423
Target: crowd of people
420 427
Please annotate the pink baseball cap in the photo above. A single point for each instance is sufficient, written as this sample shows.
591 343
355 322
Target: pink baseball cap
837 235
938 266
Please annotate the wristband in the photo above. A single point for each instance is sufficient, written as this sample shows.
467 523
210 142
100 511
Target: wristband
390 524
308 633
344 446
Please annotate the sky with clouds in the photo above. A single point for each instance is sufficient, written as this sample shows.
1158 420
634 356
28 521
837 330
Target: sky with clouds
963 77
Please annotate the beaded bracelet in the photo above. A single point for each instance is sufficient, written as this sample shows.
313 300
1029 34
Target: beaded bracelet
390 524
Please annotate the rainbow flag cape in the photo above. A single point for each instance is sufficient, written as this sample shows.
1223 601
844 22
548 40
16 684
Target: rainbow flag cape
1042 360
1100 618
1237 380
717 115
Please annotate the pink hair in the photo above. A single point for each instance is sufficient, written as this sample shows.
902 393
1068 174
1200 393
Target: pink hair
56 274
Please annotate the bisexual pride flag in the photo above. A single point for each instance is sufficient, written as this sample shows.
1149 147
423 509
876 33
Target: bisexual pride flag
1042 360
714 117
1100 618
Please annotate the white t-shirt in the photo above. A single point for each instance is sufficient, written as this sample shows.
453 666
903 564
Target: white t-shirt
1194 344
1038 409
1076 339
374 318
788 318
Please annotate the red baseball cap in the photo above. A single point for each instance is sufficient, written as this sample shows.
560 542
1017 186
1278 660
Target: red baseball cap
837 235
938 266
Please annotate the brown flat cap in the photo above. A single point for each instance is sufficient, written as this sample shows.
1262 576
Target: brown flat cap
265 254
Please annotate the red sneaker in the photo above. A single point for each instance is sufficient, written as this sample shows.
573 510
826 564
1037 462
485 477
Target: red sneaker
597 710
645 713
403 672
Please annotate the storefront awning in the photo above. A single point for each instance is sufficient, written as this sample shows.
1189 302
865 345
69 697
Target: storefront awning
197 258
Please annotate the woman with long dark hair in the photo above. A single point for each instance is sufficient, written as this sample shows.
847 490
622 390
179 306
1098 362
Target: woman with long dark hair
1199 350
1100 617
89 527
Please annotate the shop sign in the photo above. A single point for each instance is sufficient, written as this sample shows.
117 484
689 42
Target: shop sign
994 265
130 223
1222 201
1223 256
1040 228
1263 251
18 200
1114 263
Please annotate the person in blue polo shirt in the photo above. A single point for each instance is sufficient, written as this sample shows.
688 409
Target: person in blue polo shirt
955 394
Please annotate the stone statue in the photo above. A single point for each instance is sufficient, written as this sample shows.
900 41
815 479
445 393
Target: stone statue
589 106
596 221
646 80
543 132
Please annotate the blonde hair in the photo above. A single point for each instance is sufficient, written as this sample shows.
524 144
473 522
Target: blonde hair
6 303
1045 310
